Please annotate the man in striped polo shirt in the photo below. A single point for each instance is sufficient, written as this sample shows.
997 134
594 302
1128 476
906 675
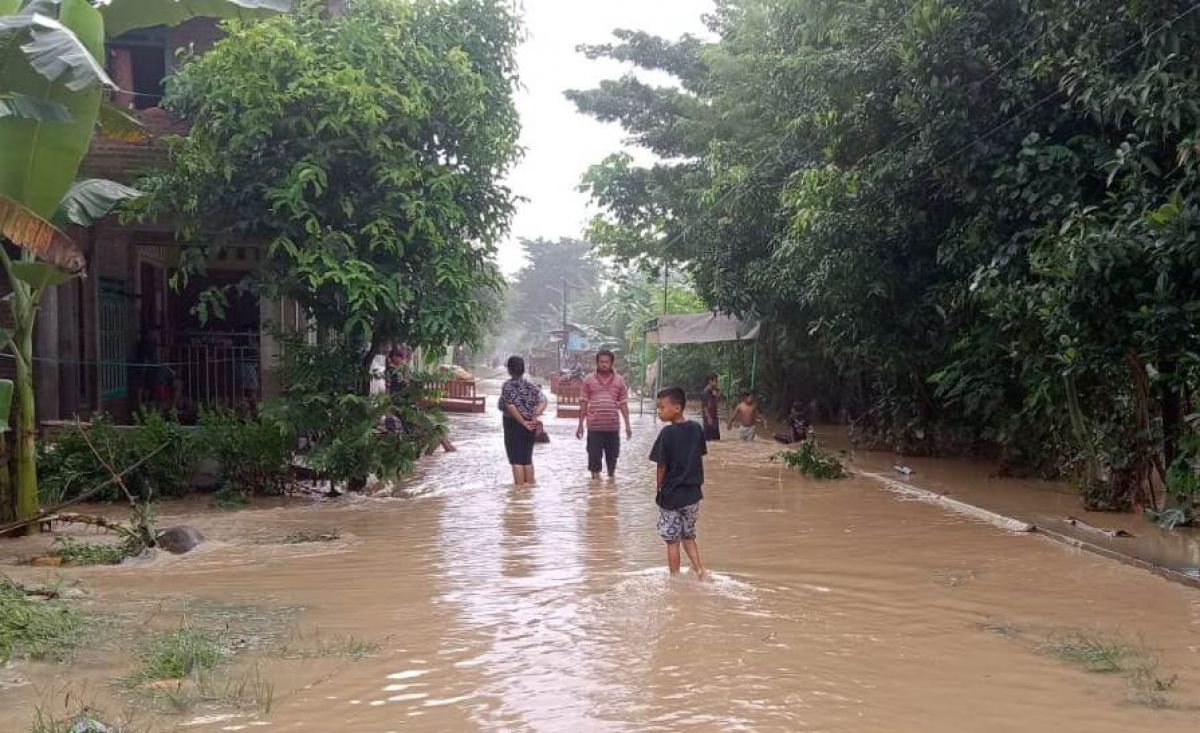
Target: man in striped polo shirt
603 402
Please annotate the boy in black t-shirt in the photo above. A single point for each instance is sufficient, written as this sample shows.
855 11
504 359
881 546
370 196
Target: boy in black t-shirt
678 452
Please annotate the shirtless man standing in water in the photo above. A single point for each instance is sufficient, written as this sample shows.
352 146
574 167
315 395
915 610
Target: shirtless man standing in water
746 416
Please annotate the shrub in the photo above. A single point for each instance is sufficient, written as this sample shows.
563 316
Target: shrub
324 405
255 454
89 553
1182 505
170 471
68 467
811 461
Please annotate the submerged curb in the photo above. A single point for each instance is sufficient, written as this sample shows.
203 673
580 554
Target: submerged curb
961 507
1012 524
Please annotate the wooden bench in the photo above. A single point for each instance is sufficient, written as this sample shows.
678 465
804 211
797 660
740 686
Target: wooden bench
458 395
570 395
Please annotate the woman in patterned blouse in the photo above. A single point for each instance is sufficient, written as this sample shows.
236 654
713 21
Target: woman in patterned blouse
522 404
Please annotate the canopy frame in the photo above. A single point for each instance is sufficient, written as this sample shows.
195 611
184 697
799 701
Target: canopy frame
693 328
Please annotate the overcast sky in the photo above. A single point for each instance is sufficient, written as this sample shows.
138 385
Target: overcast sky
559 142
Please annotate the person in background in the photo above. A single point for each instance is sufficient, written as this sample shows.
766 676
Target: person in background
378 370
146 372
797 423
604 400
679 451
521 403
397 374
747 418
710 404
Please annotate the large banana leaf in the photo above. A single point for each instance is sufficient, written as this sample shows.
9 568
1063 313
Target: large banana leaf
92 199
121 16
54 51
39 275
39 158
31 108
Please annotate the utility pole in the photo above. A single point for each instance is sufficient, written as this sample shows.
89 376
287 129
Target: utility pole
662 348
562 346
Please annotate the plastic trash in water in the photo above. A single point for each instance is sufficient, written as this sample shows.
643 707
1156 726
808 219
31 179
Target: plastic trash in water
903 470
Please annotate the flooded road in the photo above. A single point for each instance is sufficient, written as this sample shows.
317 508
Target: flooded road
835 606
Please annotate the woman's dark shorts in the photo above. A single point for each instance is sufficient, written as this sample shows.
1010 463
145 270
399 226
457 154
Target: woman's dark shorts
518 443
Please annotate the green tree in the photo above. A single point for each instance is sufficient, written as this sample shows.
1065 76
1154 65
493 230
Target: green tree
965 236
536 298
364 153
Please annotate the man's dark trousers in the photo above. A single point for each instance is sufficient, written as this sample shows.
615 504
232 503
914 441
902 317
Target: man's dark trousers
606 443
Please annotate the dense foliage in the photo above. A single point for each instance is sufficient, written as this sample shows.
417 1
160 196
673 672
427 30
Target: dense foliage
324 409
966 223
364 151
69 466
161 456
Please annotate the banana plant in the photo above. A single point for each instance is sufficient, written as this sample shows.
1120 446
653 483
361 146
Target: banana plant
52 88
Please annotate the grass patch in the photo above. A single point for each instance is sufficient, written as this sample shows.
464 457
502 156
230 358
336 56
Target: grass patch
311 535
86 553
314 646
1148 688
85 721
811 461
1094 654
1099 654
228 497
175 655
245 690
35 629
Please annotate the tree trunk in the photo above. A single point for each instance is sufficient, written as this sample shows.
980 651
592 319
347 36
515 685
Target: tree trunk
8 507
1172 411
1143 494
26 448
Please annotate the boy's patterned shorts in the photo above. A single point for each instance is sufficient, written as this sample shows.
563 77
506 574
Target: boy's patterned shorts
678 524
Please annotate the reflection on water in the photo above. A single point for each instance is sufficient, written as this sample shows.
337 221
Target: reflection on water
833 607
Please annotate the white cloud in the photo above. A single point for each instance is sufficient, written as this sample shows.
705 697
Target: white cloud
560 143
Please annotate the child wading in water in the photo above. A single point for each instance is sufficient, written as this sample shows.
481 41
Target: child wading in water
746 417
678 452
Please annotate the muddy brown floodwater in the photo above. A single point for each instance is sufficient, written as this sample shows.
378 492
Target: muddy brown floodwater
835 606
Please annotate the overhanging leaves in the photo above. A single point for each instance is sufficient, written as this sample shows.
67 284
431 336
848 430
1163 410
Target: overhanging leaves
29 231
39 275
39 159
92 199
55 52
122 16
15 104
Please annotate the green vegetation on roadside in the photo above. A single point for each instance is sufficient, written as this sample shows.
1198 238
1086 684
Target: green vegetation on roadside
74 552
812 461
1099 653
964 241
176 654
33 628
